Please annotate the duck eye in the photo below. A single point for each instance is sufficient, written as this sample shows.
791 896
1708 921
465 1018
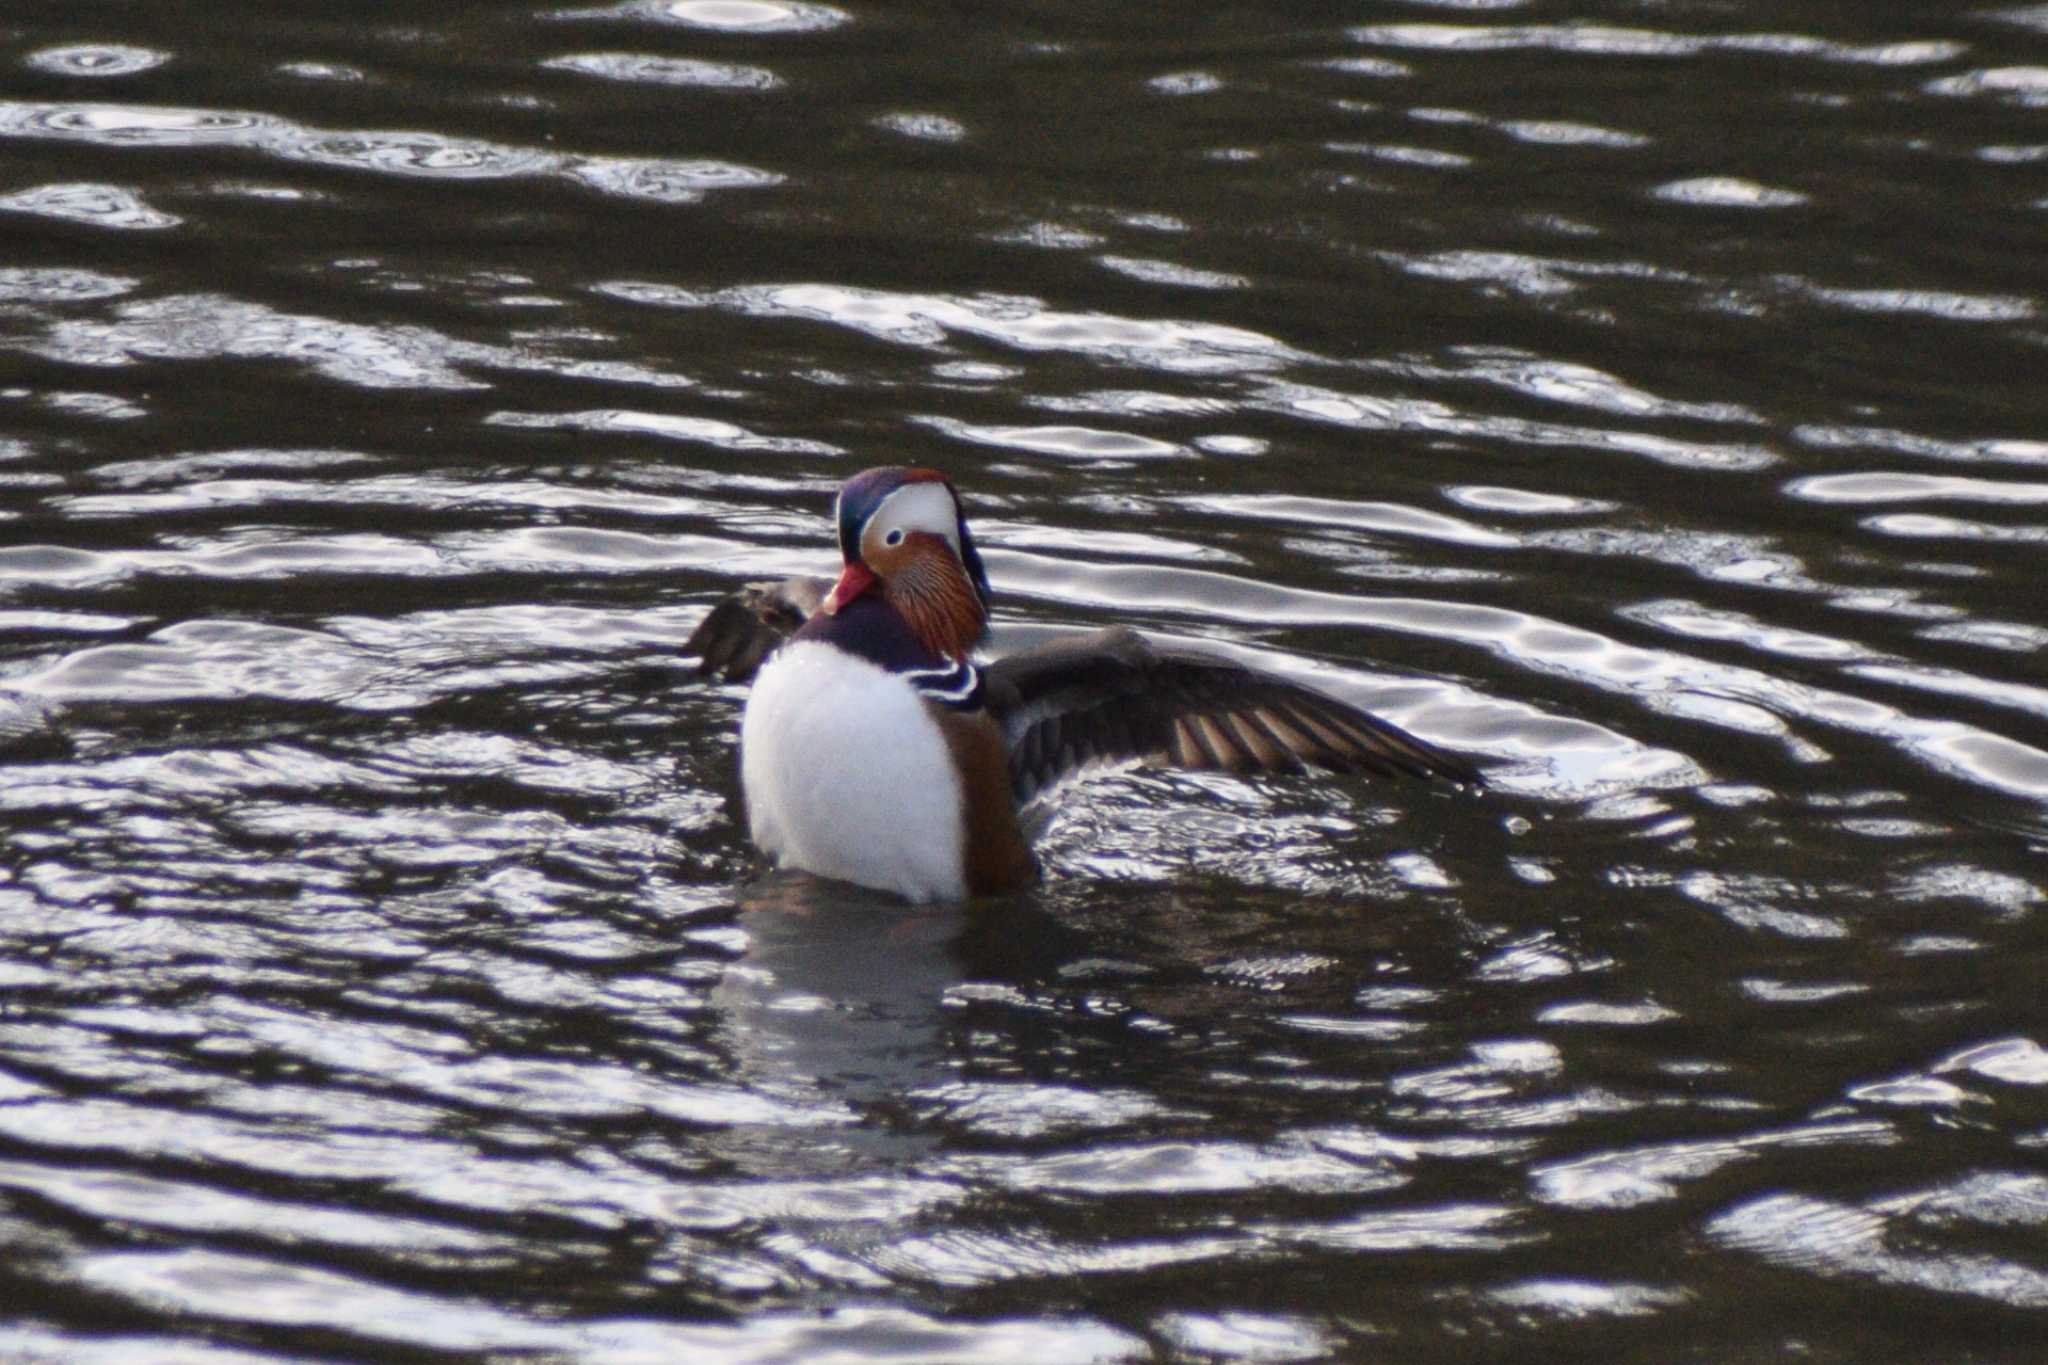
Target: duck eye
895 537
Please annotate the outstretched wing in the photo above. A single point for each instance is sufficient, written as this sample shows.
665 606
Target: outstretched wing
746 627
1111 697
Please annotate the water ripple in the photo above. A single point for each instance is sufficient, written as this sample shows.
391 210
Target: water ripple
198 326
1857 1242
668 182
96 60
20 284
2026 86
107 206
1074 443
667 426
1173 273
1606 41
923 127
1936 303
929 320
1907 487
123 125
422 154
644 69
1641 1175
1263 1337
211 326
1997 450
1725 191
721 16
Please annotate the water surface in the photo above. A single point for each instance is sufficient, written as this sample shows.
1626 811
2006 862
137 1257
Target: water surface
1642 399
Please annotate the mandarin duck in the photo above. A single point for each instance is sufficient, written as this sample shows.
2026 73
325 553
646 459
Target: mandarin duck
876 749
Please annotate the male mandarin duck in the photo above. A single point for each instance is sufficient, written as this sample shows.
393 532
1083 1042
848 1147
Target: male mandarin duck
876 750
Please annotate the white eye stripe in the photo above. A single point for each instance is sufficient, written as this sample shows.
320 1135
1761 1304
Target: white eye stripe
918 507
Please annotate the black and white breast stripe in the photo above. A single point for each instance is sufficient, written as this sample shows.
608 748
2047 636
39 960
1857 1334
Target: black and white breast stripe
957 685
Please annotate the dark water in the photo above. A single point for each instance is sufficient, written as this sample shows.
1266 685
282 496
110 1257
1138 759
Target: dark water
1646 399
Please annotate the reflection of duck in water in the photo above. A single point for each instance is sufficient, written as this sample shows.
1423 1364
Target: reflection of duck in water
831 1024
876 750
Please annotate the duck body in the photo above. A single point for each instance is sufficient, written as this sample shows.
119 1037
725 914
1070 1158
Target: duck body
876 749
811 771
852 771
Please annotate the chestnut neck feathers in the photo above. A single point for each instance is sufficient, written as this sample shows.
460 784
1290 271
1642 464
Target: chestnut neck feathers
935 598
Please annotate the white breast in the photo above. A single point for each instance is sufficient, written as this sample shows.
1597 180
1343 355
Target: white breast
847 775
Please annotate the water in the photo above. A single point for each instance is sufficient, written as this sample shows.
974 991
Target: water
1642 399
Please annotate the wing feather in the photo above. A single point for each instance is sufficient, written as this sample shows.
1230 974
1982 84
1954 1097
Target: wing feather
740 632
1266 754
1111 697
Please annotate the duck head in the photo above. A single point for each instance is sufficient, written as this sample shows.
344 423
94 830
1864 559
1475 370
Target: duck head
902 535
